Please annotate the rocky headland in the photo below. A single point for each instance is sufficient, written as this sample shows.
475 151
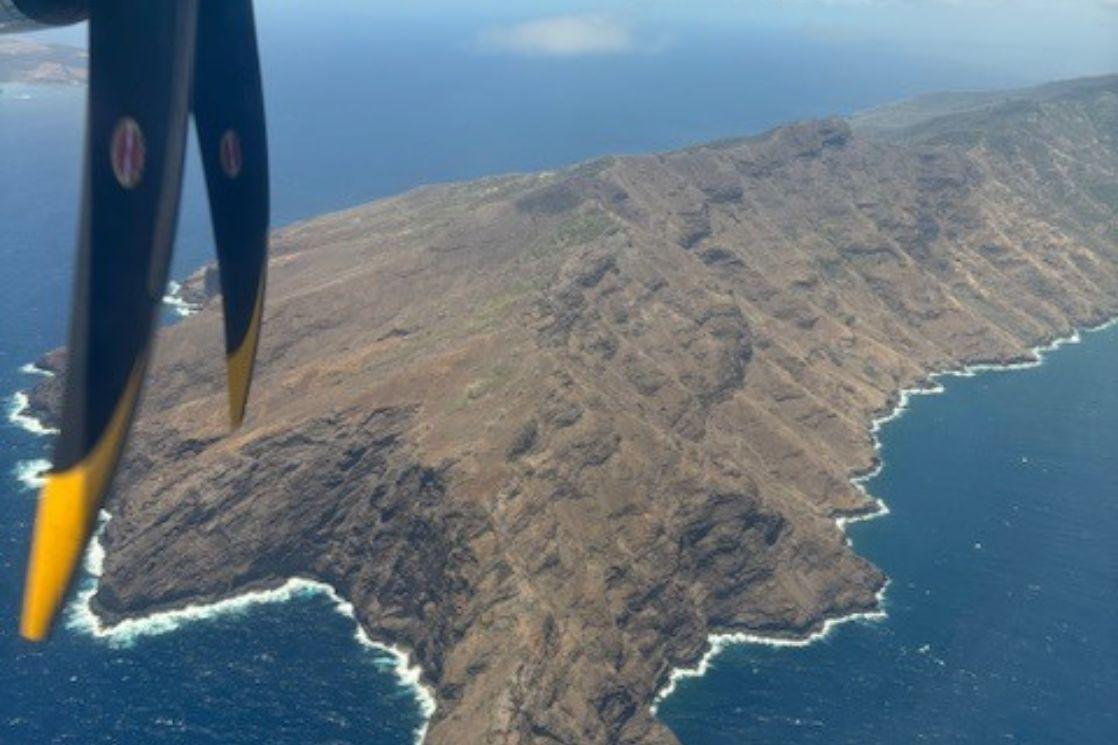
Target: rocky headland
549 432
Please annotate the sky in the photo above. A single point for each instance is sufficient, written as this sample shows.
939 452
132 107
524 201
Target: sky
1029 40
1041 39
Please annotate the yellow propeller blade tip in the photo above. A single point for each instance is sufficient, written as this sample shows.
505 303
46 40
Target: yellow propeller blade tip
240 362
64 519
62 527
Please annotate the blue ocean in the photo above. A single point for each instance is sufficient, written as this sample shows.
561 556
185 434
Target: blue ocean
1000 542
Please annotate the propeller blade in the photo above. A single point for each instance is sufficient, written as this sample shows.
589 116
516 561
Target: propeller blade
229 117
141 58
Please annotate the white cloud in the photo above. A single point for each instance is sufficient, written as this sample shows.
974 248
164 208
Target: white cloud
563 36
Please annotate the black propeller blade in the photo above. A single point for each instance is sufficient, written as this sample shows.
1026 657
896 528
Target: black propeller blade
229 116
144 60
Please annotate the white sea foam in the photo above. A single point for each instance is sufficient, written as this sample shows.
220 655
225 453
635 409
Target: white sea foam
174 299
879 510
94 561
1034 358
932 386
32 369
411 676
80 617
32 473
1104 325
719 642
17 415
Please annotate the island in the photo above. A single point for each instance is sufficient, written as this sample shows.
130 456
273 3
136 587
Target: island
32 62
549 432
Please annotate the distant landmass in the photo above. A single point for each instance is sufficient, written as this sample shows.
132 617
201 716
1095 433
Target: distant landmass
36 63
549 432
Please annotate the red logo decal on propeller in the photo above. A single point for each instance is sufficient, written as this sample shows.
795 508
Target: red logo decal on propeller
230 151
128 153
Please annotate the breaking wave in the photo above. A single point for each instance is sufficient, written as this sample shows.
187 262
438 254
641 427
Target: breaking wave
31 473
174 299
17 415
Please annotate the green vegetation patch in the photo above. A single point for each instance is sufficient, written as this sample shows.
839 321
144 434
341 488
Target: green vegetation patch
584 227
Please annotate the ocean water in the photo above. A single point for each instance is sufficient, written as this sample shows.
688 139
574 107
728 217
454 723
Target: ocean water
1000 543
357 113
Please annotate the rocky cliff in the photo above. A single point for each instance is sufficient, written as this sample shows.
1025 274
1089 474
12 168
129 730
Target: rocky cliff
550 431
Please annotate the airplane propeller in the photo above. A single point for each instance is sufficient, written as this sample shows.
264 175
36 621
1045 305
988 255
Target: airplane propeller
152 64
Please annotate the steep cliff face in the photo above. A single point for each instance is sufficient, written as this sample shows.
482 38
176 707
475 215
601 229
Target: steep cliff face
550 431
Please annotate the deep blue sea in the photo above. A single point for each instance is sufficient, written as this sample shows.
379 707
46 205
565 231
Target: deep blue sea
1001 538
